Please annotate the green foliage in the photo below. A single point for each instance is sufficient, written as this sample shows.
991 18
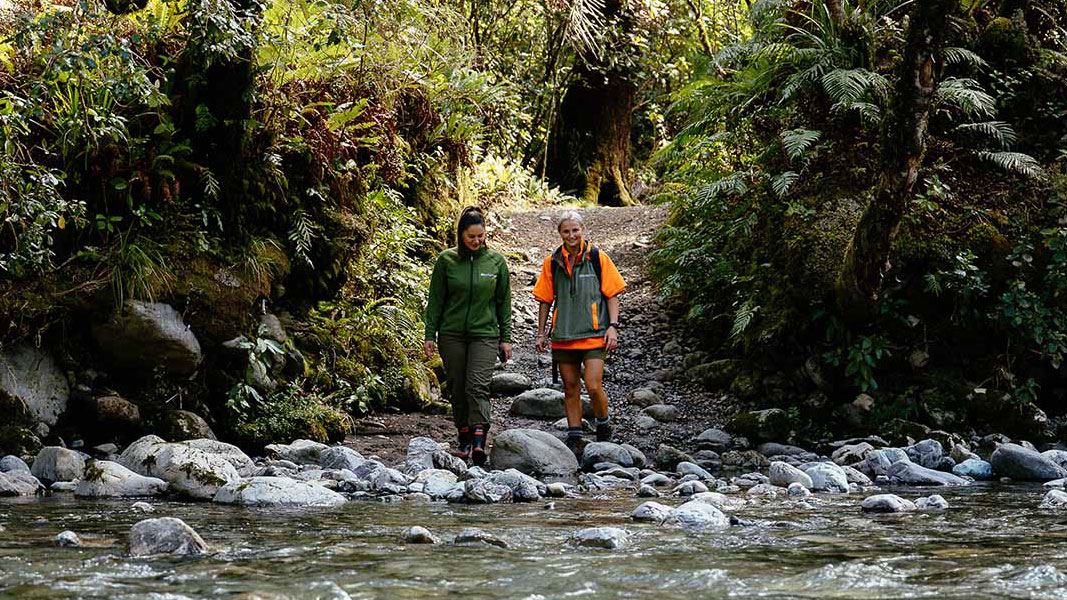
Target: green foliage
294 413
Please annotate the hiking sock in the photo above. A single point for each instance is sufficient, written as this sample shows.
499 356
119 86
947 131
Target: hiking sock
603 429
478 455
574 440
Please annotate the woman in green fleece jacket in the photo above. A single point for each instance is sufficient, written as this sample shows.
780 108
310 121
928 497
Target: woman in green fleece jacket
468 319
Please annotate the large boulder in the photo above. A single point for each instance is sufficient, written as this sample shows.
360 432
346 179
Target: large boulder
192 472
341 457
698 516
108 479
533 452
55 463
140 455
1017 462
228 452
420 454
886 503
32 387
827 477
166 535
782 474
909 473
19 483
975 468
769 425
146 336
277 491
609 538
607 452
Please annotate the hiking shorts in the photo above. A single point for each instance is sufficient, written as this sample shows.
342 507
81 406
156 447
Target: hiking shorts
576 357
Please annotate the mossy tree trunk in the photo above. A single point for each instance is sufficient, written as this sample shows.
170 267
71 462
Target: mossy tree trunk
589 152
866 261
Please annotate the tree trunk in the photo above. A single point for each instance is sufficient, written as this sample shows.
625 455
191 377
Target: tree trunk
837 12
589 152
904 144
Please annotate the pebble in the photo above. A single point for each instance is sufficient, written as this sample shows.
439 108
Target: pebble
68 539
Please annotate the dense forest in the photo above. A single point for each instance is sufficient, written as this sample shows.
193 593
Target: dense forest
867 199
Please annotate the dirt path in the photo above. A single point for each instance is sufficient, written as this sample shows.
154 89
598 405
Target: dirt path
649 344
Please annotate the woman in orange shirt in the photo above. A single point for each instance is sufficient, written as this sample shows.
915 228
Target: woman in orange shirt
580 285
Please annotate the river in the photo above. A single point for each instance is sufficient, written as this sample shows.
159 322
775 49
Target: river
992 543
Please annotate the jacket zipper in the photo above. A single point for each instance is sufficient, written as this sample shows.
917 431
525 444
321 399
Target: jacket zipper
470 298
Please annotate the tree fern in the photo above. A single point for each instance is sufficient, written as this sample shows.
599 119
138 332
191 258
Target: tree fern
781 183
955 56
966 95
798 141
998 132
851 85
733 183
1016 162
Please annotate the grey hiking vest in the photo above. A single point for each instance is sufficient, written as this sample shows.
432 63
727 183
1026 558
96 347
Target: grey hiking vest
581 309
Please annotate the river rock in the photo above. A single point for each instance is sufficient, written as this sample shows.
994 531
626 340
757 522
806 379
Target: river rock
420 454
934 501
116 417
165 535
1017 462
474 535
718 500
698 516
11 463
105 479
608 538
713 439
767 425
142 507
664 413
301 452
797 490
657 479
32 386
878 461
744 459
55 463
668 457
1054 499
687 468
606 452
145 335
523 487
540 403
645 423
856 476
190 471
647 491
436 483
714 375
341 457
19 483
782 474
644 397
136 456
186 425
689 488
886 503
419 535
277 491
443 460
909 473
67 539
851 454
483 491
927 453
775 449
533 452
975 468
509 384
827 477
244 465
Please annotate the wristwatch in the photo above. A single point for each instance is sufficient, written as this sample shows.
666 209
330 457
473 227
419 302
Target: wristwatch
615 325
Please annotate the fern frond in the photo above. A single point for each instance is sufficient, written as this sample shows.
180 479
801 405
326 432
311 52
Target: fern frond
851 85
955 56
797 141
781 183
870 114
966 95
1016 162
743 318
733 184
584 23
998 131
302 234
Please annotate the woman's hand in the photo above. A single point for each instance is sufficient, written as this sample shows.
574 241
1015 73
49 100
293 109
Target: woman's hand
540 343
505 351
429 348
611 339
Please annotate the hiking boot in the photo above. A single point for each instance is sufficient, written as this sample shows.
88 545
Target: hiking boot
576 445
466 440
603 432
478 455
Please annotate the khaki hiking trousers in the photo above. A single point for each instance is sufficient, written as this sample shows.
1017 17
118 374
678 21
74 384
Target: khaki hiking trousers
468 370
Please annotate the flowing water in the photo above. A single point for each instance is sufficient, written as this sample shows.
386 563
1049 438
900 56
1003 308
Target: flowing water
992 543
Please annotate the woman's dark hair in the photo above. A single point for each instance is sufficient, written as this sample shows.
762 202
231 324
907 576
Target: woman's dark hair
472 215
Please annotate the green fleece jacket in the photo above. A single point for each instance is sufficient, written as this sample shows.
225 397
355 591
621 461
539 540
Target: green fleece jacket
469 296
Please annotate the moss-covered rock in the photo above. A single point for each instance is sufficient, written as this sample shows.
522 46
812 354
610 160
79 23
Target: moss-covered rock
19 441
1004 44
769 425
717 374
181 425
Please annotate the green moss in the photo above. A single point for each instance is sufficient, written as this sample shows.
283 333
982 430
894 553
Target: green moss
93 473
1004 44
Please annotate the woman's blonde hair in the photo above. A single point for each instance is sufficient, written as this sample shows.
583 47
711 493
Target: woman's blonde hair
569 215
